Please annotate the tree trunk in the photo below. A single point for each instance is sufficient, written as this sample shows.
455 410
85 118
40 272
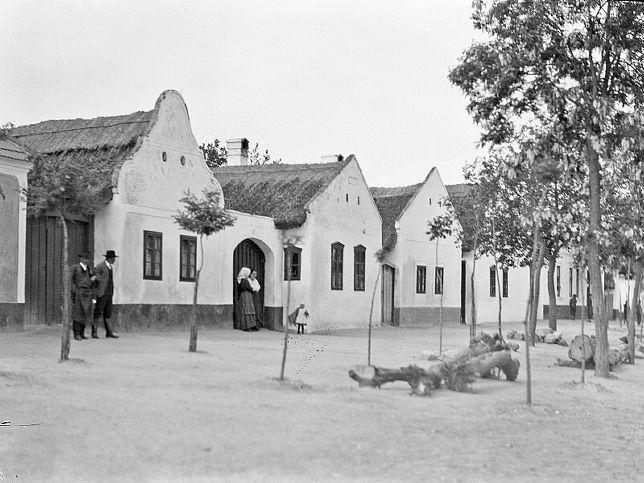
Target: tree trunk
67 321
536 289
635 306
455 373
288 305
373 298
472 283
552 295
194 327
440 309
597 289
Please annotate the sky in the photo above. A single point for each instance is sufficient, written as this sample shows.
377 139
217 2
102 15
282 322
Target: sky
303 78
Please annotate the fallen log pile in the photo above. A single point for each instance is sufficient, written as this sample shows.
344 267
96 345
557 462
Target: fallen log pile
456 373
542 334
583 349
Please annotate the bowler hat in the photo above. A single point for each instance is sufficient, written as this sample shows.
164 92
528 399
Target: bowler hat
110 254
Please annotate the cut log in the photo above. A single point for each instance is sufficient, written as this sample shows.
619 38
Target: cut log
455 373
582 349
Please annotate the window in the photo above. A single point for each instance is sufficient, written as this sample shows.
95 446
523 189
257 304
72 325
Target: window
438 280
295 255
358 200
187 258
492 281
421 278
358 268
152 250
505 283
558 281
347 197
570 292
576 280
337 258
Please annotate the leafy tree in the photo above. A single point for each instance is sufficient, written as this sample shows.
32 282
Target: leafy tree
578 62
203 216
216 154
72 183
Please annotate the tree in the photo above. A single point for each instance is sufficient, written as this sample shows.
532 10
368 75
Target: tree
216 155
380 258
578 62
440 227
69 184
289 242
203 216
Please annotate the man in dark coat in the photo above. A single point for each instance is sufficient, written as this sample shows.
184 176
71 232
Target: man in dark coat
82 283
104 290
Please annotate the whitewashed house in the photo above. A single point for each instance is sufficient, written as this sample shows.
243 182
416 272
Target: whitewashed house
326 209
14 166
418 272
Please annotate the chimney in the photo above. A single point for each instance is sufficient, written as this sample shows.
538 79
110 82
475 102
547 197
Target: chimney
237 152
332 158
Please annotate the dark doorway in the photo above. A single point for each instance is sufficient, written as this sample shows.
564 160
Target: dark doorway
44 265
463 290
248 254
388 277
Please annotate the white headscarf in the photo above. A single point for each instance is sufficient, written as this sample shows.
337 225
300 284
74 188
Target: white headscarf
254 283
243 273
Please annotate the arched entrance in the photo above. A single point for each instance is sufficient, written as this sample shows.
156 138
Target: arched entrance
248 254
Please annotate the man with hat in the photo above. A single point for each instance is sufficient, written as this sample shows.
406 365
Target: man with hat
82 282
104 292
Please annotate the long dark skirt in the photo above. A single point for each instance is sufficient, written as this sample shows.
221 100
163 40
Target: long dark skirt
245 313
258 310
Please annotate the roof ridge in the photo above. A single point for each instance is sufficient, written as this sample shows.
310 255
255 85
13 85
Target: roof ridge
102 126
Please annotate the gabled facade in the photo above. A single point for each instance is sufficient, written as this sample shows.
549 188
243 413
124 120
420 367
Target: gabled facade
327 211
14 166
418 272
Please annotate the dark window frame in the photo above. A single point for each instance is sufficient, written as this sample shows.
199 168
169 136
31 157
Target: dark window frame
421 278
558 280
492 281
337 266
439 281
505 286
359 268
296 265
187 258
152 235
570 280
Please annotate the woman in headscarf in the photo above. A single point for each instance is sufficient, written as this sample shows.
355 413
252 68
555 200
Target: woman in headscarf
245 308
254 283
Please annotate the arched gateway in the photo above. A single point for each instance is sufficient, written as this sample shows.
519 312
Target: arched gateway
249 254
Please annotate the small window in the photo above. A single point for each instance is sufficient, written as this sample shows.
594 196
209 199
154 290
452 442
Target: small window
505 283
359 258
347 197
492 281
187 258
430 201
337 259
164 156
152 255
183 160
294 255
558 281
570 280
421 279
358 200
438 280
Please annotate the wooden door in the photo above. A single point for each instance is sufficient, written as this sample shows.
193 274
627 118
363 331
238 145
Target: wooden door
248 254
388 277
44 265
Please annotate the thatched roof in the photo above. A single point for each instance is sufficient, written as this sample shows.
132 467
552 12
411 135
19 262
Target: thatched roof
10 148
280 191
58 136
461 197
392 203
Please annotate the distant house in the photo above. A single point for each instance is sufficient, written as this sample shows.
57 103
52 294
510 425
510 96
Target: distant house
513 283
326 209
418 272
14 166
